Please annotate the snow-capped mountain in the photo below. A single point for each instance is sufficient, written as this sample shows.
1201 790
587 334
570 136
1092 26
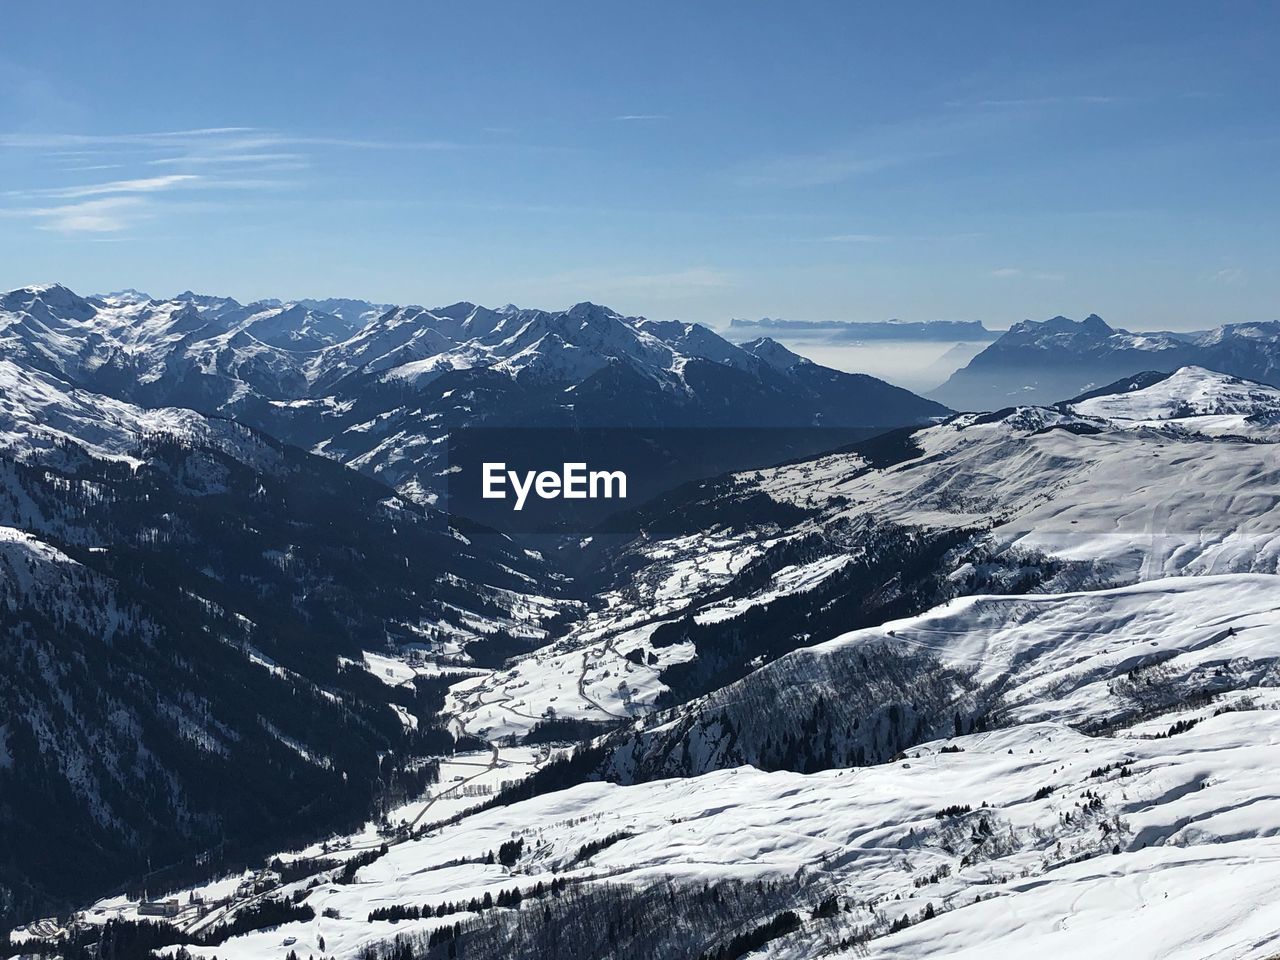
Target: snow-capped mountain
356 313
40 415
875 702
190 609
379 389
1045 361
1054 726
1199 399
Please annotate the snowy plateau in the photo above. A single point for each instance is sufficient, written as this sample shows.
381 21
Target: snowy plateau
975 685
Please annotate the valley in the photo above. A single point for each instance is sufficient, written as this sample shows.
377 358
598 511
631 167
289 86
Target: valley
973 684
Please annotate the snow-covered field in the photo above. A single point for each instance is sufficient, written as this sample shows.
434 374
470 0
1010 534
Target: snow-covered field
1192 816
1033 837
587 675
1066 656
1136 501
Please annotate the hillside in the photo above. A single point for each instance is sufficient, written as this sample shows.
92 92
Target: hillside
187 604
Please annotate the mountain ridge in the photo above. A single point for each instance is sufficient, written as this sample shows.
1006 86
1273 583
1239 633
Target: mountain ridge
381 388
1044 361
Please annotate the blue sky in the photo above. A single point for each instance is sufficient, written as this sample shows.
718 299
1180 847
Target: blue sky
988 161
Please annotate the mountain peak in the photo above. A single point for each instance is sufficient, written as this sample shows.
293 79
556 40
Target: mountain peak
1200 399
773 353
47 302
455 311
126 295
586 310
1092 325
54 294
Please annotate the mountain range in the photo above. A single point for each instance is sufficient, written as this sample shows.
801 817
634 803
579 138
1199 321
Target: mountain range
1044 361
379 388
977 684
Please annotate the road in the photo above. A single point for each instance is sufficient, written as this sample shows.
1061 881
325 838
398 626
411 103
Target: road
444 794
582 678
227 911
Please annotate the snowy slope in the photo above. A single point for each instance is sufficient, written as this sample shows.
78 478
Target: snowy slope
1087 659
182 602
38 413
1036 836
1197 399
1068 656
1134 498
1074 497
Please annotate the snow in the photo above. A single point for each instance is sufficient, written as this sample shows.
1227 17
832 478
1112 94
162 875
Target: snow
1131 499
39 412
17 542
390 670
1165 840
1126 501
1197 399
1200 884
1199 905
1059 656
404 716
587 675
1125 804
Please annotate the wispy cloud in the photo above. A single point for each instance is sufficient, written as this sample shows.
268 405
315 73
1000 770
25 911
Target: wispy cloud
642 116
207 140
103 215
1231 276
872 150
204 159
960 128
1012 273
141 185
226 158
997 103
117 205
49 141
855 238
